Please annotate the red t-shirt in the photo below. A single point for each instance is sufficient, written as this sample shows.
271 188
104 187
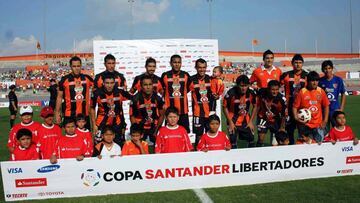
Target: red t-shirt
172 139
48 136
70 146
314 100
21 154
33 127
262 76
341 135
216 142
86 134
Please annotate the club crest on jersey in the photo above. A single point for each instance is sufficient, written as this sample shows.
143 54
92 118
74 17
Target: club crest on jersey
335 85
79 97
313 109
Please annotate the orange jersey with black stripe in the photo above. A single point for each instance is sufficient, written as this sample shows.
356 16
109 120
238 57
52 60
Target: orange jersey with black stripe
120 81
136 86
110 111
217 86
262 76
314 100
176 87
201 95
76 94
238 105
130 148
292 84
146 110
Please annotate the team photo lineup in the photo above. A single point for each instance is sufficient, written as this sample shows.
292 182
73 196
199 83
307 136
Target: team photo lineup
85 116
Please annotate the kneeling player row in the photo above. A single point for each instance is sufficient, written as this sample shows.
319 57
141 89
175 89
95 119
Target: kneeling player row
172 138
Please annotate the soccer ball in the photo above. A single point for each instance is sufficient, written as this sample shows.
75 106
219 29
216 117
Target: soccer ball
304 115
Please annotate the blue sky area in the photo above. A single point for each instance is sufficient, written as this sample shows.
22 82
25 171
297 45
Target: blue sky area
234 23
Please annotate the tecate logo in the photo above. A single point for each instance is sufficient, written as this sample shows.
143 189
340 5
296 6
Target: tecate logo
49 168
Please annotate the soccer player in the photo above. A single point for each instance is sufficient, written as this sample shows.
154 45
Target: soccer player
109 101
85 133
26 150
150 66
147 109
176 86
217 83
13 104
214 139
107 147
110 63
293 81
271 112
341 132
48 133
172 138
69 145
136 145
202 99
75 90
262 75
313 98
333 86
26 115
236 107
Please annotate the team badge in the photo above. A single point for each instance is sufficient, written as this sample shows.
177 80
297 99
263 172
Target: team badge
176 87
78 91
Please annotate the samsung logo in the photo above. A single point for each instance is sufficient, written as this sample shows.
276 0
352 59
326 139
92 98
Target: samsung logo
47 169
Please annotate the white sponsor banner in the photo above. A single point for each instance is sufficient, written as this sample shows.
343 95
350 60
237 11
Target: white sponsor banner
166 172
4 104
131 56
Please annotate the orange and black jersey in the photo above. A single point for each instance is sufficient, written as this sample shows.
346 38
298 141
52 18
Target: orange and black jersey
120 81
271 109
292 84
176 87
238 105
136 87
76 94
201 95
146 110
110 111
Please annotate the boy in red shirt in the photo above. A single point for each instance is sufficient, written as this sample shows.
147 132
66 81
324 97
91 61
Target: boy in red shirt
214 139
48 133
85 133
26 150
313 98
172 138
26 114
136 145
341 132
70 145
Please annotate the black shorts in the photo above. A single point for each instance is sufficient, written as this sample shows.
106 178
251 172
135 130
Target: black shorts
12 112
184 121
200 125
263 126
149 133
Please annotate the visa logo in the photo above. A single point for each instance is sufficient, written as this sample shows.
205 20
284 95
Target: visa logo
347 149
14 170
